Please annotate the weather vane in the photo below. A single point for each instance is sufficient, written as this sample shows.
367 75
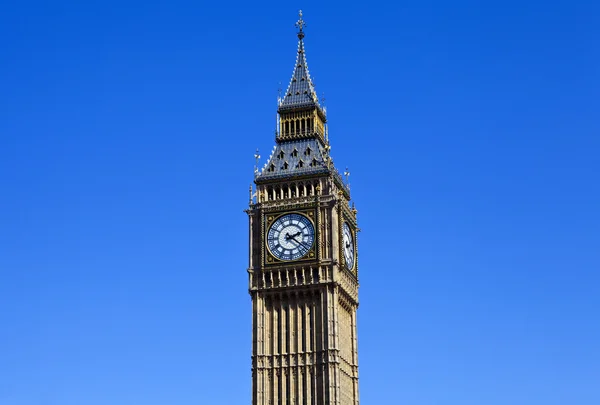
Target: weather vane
300 24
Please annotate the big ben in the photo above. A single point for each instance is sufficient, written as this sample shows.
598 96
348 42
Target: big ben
303 263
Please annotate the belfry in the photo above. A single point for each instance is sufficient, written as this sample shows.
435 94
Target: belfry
303 267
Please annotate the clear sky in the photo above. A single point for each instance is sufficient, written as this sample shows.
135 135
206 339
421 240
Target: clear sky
127 134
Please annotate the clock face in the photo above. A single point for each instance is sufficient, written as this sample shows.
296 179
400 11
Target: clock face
290 237
348 242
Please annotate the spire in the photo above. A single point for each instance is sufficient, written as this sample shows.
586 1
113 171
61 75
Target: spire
302 147
300 24
301 90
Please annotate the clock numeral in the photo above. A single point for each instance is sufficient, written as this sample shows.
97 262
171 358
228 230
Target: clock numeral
290 237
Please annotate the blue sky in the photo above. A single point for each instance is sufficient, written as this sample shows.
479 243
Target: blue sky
127 134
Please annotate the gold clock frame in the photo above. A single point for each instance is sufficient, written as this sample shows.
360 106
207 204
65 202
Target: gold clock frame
353 236
270 258
347 215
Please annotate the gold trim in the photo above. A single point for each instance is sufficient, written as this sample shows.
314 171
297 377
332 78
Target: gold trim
310 254
352 235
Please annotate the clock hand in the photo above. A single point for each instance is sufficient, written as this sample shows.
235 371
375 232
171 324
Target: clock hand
301 244
288 236
304 244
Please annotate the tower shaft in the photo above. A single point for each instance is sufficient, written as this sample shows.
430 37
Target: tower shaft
303 276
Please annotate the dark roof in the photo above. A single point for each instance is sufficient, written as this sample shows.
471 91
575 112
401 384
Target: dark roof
298 158
294 158
301 90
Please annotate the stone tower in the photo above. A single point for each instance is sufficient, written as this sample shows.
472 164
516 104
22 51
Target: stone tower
303 270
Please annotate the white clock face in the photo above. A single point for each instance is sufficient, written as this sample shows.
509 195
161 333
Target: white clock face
290 237
348 242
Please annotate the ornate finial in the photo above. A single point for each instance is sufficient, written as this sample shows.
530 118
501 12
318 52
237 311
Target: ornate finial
256 156
300 24
328 159
347 175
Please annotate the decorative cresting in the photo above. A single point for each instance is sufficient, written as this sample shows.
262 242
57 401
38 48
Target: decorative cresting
303 271
300 114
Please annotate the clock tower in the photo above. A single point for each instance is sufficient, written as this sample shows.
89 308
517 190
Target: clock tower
303 268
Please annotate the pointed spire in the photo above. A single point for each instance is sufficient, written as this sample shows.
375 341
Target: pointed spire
301 90
300 24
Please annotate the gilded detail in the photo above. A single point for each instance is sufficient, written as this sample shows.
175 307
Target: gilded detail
303 236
